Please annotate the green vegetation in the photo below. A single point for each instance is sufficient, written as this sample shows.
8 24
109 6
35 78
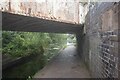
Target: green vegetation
71 38
22 44
19 44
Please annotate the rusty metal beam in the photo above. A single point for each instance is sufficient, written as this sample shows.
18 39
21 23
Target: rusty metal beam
58 10
16 22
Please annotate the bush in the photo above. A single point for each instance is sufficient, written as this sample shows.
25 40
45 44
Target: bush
19 44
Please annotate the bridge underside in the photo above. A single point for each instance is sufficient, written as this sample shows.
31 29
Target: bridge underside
16 22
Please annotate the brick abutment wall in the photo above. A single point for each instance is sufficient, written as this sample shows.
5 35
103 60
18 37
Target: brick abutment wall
100 40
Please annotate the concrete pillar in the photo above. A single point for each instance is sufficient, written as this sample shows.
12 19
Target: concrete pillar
79 38
119 41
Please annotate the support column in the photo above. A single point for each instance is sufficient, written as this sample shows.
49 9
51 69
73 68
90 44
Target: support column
79 38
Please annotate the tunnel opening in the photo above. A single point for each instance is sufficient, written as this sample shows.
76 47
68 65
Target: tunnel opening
24 50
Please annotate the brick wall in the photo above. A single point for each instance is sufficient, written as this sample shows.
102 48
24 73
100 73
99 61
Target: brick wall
101 43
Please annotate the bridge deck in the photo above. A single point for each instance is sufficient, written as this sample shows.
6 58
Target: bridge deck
16 22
